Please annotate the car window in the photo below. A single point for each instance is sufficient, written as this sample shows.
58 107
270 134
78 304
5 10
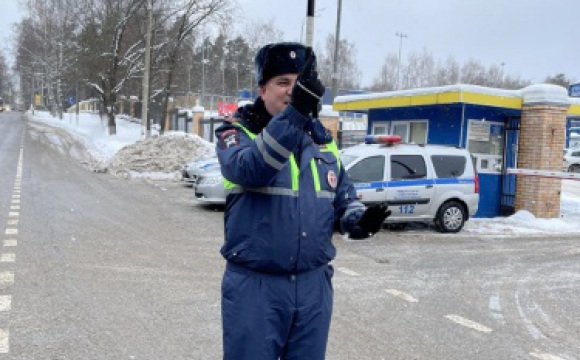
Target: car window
404 167
368 170
576 153
347 159
448 166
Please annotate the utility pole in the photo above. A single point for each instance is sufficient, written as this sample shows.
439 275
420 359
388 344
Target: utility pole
145 104
201 102
334 88
401 36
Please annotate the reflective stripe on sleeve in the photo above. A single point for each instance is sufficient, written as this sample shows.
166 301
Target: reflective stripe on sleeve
267 157
271 142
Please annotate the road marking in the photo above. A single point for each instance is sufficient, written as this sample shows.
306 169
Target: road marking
16 196
6 278
10 242
14 207
13 213
15 201
5 302
11 231
347 271
544 356
468 323
402 295
12 222
7 257
4 347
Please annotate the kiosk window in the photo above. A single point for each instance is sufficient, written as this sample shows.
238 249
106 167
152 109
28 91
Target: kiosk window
405 167
368 170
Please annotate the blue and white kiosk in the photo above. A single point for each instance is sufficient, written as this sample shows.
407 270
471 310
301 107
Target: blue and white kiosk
483 120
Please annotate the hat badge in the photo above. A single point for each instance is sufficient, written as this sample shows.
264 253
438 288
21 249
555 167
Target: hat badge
292 54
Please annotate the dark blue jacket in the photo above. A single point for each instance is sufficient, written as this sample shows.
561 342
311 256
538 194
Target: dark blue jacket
273 225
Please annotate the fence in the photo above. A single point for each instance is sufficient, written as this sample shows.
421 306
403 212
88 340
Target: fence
346 138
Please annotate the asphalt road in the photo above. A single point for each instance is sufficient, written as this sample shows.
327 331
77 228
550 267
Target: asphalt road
94 267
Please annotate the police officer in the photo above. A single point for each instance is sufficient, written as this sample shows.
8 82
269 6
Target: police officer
286 190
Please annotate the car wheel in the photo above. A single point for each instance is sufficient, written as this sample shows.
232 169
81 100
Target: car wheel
396 226
450 217
575 168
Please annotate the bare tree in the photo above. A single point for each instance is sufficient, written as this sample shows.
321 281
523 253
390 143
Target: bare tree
188 17
559 79
113 59
387 79
348 72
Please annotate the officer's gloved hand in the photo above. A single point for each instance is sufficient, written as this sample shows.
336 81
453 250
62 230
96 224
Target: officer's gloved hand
371 222
318 132
308 89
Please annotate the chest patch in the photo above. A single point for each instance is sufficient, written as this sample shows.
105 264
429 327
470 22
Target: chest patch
332 179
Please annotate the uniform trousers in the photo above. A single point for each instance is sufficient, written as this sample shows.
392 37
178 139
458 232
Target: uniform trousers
276 316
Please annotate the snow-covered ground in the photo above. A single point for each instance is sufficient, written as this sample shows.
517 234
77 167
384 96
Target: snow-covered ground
128 154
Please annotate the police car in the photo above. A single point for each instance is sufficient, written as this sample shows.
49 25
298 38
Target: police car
427 183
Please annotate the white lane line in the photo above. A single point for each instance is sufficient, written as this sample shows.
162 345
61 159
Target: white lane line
402 295
5 302
544 356
4 346
16 196
468 323
14 207
8 257
12 222
11 231
10 242
347 271
13 213
15 201
6 278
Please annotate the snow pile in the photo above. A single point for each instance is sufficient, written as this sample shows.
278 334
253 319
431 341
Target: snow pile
159 156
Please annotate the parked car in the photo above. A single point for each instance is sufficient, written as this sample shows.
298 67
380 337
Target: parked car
192 169
572 160
209 187
426 183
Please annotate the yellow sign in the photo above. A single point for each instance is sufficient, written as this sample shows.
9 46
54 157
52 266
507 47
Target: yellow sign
37 99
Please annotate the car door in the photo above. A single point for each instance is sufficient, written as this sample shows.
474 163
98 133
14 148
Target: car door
367 175
410 190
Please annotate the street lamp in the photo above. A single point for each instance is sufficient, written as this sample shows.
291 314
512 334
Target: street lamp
401 36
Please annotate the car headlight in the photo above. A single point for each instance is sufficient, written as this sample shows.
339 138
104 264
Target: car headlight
212 180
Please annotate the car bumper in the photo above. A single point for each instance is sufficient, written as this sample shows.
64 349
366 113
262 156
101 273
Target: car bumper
210 194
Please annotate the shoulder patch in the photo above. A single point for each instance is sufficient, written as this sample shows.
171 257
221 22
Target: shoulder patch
229 138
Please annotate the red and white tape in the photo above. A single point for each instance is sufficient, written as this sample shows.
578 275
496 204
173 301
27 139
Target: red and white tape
545 173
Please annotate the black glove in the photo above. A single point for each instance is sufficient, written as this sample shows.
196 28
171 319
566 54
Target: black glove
370 222
308 89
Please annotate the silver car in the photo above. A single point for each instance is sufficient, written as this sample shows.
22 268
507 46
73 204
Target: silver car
572 160
209 187
191 170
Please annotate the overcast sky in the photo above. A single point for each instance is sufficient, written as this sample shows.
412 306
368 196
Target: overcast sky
533 38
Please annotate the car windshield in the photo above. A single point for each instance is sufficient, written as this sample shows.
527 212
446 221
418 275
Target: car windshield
347 159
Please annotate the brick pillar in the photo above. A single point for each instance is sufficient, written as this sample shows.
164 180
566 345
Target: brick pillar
331 123
197 116
540 145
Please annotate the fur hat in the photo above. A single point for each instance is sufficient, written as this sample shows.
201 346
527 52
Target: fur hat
277 59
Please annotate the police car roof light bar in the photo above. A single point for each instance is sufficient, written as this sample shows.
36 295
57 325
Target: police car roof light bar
382 139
